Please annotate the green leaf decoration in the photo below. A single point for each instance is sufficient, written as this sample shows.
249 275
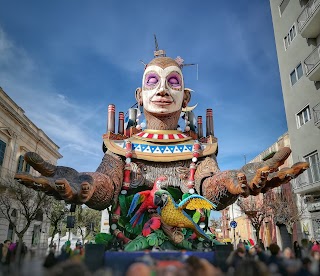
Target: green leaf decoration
185 244
103 238
188 232
175 193
196 217
133 230
153 239
129 200
123 221
123 205
184 196
160 234
139 243
167 245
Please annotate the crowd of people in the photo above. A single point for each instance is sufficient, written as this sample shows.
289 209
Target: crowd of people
9 253
303 259
66 253
247 259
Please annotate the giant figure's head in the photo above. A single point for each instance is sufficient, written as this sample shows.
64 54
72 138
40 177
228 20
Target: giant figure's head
163 89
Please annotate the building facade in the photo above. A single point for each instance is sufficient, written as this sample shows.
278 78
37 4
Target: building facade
19 135
297 36
269 231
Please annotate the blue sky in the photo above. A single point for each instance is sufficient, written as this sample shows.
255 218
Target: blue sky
63 62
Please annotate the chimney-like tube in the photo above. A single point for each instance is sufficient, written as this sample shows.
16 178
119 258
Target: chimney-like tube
209 122
121 123
200 127
111 118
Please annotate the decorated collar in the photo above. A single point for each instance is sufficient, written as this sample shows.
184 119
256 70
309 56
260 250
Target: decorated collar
162 136
159 152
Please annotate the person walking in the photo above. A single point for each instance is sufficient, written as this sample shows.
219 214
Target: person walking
297 250
5 256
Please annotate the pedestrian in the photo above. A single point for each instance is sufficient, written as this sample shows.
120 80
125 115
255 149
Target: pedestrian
5 256
261 244
50 260
297 250
316 246
275 263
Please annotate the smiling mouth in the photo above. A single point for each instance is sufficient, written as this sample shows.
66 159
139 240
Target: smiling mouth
162 102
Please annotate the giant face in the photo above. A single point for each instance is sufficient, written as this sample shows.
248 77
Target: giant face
162 86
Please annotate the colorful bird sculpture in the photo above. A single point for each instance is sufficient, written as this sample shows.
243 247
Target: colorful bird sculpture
146 197
173 214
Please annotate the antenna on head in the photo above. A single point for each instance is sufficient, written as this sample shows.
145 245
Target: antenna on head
181 63
156 43
157 52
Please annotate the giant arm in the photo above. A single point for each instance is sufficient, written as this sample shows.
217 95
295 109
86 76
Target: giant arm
101 189
97 189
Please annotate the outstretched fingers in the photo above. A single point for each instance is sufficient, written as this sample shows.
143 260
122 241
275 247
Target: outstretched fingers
37 162
259 180
65 190
37 183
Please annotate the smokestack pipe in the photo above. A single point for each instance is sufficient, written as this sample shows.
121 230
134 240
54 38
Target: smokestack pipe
111 118
121 123
200 127
209 122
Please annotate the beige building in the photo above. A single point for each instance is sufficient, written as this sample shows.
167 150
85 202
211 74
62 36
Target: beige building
19 135
269 232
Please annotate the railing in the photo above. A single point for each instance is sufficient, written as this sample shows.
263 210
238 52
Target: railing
316 115
310 177
312 60
306 14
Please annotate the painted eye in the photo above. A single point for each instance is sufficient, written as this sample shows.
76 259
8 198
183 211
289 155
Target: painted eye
151 80
174 81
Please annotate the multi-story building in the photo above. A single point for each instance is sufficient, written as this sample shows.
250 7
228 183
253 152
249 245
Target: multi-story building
271 230
19 135
297 37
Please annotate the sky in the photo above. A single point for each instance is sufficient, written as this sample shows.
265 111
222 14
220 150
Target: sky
64 62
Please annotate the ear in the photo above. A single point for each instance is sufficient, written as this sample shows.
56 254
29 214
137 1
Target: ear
139 96
186 97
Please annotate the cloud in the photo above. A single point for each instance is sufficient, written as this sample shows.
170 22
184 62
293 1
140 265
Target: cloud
66 122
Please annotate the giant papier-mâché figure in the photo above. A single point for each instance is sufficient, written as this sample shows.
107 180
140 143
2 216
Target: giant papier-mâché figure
134 159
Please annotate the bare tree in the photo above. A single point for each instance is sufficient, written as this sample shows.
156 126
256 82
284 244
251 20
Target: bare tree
87 221
26 203
56 214
256 210
285 211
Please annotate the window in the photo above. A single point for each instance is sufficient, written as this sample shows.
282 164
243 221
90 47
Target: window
303 116
2 151
23 166
314 170
289 37
296 74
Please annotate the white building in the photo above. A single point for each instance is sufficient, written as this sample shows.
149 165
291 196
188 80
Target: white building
297 36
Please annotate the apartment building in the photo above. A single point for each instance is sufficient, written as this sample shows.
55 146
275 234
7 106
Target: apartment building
296 26
19 135
271 230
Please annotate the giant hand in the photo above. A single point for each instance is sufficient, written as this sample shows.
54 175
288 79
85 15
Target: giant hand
97 189
223 188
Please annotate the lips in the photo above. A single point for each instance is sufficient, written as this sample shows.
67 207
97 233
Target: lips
162 102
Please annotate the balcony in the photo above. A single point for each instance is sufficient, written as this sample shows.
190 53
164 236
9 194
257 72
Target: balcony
309 20
312 64
316 115
313 207
308 182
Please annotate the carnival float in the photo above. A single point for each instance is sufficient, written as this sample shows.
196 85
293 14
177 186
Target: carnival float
159 179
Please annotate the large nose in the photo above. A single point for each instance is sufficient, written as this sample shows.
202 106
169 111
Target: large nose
163 89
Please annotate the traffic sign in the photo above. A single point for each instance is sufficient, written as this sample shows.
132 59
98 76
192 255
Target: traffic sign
233 224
